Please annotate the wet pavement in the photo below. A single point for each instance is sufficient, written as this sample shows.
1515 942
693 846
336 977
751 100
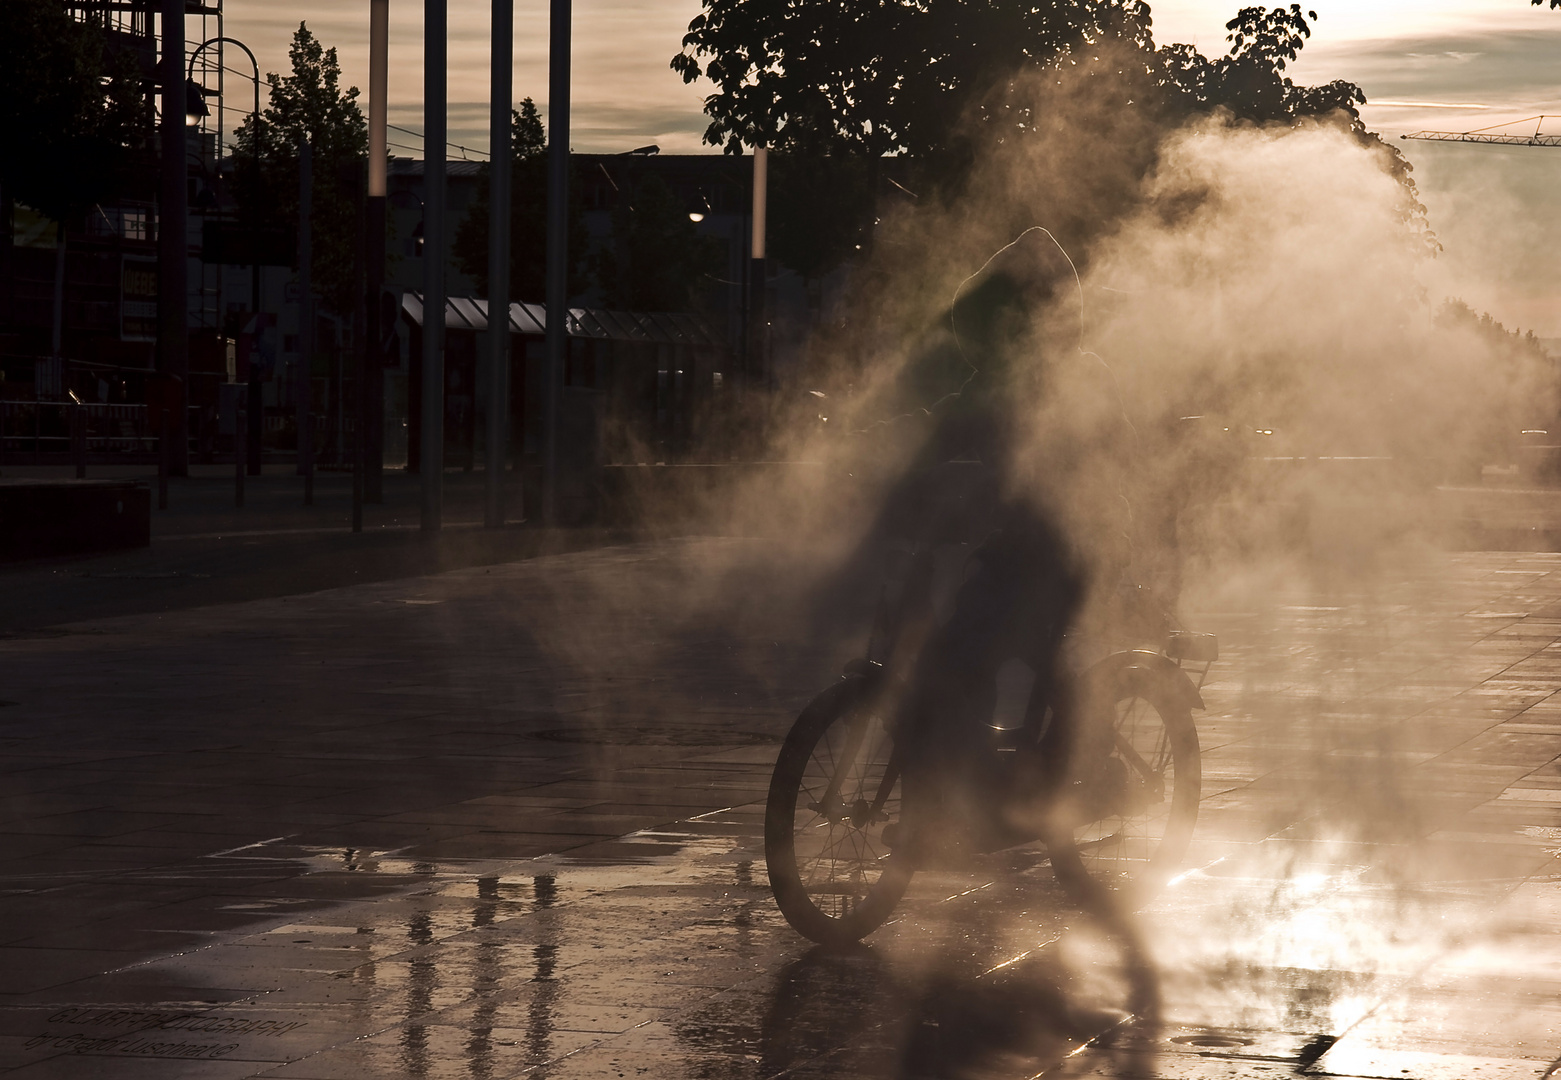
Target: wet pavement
206 551
507 820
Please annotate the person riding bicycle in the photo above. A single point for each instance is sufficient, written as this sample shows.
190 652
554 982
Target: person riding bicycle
971 722
1024 583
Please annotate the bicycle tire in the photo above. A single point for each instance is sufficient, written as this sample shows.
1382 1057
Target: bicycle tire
834 879
1128 856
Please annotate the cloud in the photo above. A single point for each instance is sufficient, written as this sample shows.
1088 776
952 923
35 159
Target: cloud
624 94
1495 209
1381 104
1511 71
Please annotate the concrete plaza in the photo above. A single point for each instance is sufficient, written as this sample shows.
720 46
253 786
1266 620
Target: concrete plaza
505 820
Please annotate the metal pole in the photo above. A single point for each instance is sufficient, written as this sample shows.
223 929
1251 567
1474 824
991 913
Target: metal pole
163 454
557 241
173 336
57 331
239 424
256 408
434 62
305 318
374 334
78 438
372 414
255 413
757 320
360 355
498 257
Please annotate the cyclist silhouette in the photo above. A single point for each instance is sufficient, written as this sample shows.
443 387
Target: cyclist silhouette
965 725
1023 584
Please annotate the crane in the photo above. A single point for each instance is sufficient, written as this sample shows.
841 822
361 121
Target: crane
1493 134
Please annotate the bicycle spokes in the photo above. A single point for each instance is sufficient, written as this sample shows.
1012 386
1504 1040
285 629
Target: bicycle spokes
846 796
1126 802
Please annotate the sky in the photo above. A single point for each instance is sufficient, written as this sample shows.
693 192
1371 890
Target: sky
1448 65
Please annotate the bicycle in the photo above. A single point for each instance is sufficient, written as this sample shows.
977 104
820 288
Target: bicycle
1112 754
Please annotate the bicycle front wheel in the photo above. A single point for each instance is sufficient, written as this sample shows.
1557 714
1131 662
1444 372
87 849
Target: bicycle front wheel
836 785
1129 814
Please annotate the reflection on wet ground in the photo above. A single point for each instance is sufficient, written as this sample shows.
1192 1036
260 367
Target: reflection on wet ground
677 965
1372 892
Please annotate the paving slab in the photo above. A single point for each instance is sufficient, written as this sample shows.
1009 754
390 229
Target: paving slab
515 828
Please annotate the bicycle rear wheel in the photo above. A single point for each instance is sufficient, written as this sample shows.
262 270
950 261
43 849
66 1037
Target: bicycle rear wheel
1128 818
834 788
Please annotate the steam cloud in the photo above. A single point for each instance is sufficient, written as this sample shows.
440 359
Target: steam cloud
1274 283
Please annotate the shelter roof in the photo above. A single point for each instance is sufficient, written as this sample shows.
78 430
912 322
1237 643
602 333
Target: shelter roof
657 327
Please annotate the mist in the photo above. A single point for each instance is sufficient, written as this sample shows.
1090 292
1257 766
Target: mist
1240 382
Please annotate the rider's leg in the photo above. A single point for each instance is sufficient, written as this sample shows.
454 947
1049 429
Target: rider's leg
948 770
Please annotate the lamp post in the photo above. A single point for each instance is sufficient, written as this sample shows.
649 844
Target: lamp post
305 418
173 331
747 239
371 387
758 338
255 406
498 258
435 59
559 19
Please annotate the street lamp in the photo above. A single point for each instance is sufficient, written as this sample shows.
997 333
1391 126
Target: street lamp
255 406
195 109
751 269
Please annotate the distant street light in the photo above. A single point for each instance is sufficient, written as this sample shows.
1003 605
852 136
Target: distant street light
256 403
195 109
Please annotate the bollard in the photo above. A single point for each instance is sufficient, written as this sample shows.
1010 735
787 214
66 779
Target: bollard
240 425
162 462
357 483
78 439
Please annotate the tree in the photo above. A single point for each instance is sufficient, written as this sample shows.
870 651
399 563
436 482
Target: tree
309 104
72 113
1249 82
528 218
945 81
875 77
657 260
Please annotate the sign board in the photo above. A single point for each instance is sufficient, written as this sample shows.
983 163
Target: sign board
137 298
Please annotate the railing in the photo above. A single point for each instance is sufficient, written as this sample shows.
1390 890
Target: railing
58 432
65 433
